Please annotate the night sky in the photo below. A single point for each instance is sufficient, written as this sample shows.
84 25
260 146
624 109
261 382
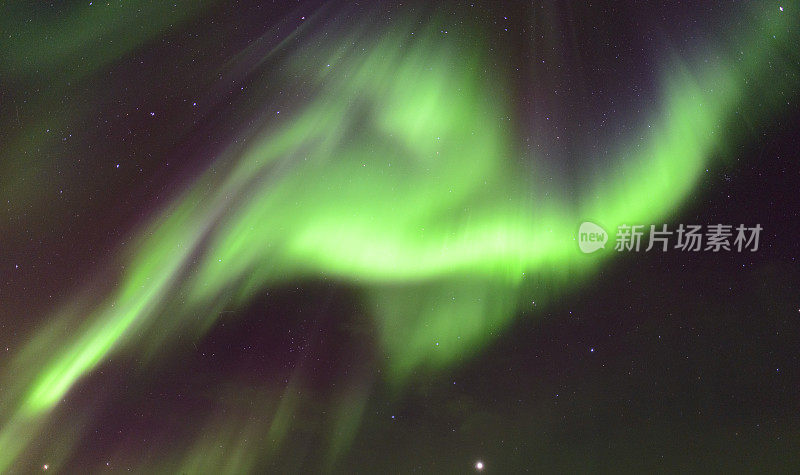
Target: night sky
343 237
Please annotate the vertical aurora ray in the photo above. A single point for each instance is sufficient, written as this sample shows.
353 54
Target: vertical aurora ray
395 178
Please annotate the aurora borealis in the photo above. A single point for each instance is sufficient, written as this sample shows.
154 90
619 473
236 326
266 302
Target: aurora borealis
384 193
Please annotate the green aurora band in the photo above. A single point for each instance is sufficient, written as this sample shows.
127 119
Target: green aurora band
395 178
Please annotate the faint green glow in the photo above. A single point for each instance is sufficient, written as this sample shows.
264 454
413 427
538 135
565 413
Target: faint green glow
398 178
54 39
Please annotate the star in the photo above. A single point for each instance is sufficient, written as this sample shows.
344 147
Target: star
479 465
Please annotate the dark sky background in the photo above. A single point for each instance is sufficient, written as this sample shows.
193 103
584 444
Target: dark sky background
660 362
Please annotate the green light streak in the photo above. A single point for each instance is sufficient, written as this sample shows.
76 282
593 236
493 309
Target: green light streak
396 178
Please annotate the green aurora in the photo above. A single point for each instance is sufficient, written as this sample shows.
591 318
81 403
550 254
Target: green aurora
397 178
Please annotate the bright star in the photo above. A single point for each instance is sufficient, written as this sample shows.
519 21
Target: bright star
478 465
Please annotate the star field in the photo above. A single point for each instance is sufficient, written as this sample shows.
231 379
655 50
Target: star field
339 237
